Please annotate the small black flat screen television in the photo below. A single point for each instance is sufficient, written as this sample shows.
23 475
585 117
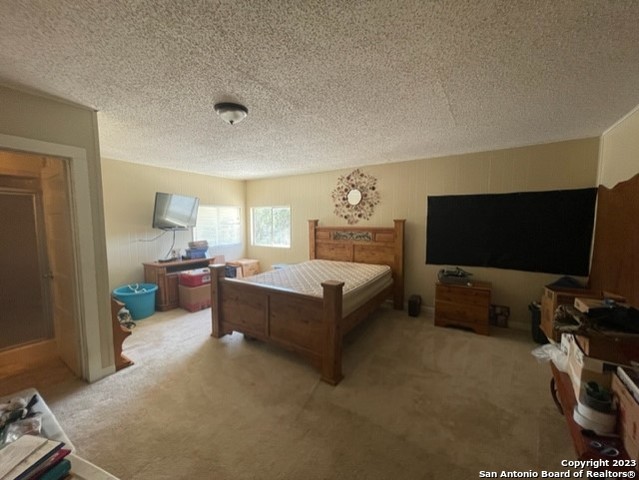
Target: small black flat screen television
174 212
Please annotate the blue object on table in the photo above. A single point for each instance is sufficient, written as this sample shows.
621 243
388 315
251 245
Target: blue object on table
139 298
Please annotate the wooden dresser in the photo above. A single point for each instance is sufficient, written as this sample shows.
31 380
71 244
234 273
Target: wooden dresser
463 306
166 276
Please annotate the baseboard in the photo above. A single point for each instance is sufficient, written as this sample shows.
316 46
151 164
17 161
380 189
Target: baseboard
519 325
100 374
26 357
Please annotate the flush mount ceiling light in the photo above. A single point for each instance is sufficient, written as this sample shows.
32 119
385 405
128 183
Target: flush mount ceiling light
231 113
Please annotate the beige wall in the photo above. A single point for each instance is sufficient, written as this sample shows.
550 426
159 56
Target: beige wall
620 150
27 119
129 195
404 188
129 190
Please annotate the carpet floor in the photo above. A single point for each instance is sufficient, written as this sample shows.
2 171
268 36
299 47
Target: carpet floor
416 402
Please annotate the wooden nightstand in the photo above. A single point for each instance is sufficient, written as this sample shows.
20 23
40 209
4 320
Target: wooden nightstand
463 306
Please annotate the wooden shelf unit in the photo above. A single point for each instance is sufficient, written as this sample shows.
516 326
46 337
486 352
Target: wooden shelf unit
166 276
463 306
563 394
120 333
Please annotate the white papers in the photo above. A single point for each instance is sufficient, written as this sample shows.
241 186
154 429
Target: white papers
15 452
25 453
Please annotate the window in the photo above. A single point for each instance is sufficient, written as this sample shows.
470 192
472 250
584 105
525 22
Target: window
271 226
218 225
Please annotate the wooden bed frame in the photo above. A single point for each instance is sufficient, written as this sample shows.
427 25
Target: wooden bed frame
310 326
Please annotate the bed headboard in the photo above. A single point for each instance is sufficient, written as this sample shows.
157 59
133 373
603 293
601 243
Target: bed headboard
380 245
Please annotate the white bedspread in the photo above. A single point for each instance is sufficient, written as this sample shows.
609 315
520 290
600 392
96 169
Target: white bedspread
361 281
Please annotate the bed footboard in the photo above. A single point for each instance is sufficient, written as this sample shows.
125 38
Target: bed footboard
309 326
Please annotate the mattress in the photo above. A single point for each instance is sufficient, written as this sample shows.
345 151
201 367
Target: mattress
362 281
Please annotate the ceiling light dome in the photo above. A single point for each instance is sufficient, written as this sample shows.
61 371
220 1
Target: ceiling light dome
231 113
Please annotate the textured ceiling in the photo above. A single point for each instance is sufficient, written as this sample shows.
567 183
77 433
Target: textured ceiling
328 84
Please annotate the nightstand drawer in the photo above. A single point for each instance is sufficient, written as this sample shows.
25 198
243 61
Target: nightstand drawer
460 313
463 294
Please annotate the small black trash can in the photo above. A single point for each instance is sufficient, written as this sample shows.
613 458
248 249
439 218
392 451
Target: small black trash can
414 305
535 313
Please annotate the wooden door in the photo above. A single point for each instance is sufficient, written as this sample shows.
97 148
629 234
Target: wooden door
25 315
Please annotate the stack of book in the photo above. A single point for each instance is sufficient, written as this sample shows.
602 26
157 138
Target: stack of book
34 458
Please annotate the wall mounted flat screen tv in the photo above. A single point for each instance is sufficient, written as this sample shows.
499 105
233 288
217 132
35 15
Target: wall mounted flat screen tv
548 232
174 212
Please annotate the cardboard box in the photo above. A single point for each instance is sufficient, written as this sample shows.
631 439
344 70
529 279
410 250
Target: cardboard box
551 299
609 345
596 305
245 267
195 278
583 369
620 348
628 423
195 298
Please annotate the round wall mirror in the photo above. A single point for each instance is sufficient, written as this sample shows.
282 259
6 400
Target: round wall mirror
354 196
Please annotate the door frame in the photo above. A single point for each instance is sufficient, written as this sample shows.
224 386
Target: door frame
84 254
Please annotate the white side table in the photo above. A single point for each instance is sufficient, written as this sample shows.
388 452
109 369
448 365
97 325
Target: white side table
50 426
80 468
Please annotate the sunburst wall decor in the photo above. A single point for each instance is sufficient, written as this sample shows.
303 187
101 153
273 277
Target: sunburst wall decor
355 196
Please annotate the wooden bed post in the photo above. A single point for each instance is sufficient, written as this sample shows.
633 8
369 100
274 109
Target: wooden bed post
217 273
398 289
312 225
332 349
